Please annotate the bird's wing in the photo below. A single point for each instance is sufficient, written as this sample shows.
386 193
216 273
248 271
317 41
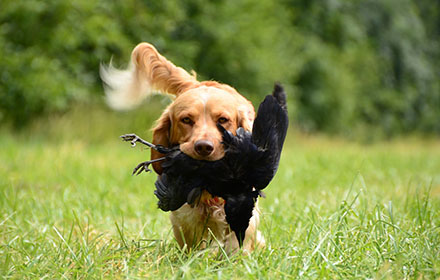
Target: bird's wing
268 134
168 193
179 182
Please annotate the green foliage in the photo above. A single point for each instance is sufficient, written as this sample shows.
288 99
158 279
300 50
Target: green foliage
350 67
368 64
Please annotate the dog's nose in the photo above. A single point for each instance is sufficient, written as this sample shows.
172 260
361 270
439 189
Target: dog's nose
204 147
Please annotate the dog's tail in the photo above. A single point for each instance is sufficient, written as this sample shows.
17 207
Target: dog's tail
148 72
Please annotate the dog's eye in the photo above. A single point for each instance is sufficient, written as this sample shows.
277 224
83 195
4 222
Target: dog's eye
222 120
186 120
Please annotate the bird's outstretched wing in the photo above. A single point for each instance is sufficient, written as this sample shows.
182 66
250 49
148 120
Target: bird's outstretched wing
268 134
253 160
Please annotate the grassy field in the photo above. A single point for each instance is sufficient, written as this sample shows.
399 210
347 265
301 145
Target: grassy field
69 208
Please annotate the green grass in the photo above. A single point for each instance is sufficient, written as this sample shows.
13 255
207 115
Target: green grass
69 208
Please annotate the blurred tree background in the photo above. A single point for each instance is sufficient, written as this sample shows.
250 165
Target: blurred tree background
351 67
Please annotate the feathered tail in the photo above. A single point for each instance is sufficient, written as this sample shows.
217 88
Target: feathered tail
148 72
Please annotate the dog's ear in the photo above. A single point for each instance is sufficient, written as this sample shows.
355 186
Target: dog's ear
161 136
246 116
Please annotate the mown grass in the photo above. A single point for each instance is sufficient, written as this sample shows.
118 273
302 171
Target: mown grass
69 208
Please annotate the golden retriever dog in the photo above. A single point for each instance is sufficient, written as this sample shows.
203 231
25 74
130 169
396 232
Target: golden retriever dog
189 121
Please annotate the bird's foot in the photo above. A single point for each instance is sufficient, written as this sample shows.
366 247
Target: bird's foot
143 166
133 138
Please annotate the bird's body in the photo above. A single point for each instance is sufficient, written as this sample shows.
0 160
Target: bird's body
250 162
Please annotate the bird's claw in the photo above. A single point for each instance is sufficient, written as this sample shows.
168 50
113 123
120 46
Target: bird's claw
143 166
133 138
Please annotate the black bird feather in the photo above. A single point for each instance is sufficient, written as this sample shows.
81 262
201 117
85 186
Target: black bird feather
250 162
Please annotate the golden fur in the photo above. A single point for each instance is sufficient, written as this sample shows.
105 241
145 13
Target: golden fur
189 120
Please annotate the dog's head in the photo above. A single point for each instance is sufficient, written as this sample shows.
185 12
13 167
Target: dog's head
191 121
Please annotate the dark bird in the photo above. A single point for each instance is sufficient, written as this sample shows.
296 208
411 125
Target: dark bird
250 162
